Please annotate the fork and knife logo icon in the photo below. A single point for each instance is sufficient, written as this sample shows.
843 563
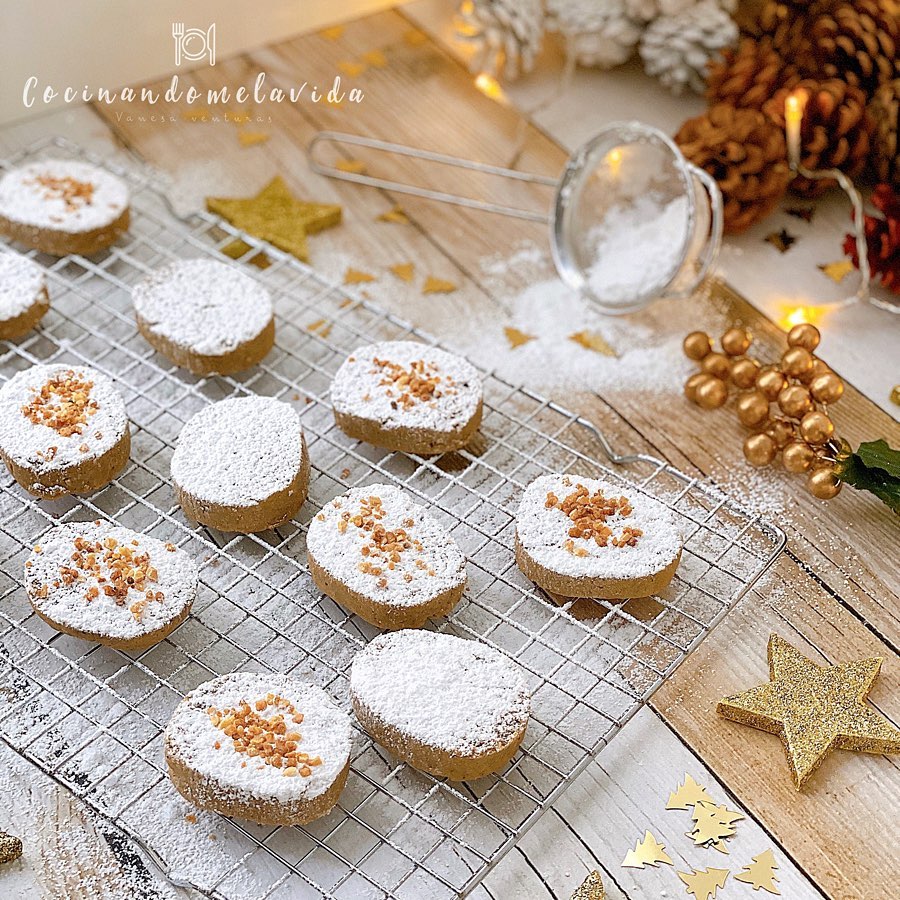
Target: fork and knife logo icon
194 44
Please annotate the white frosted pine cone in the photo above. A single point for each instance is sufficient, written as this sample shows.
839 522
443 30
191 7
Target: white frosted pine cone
647 10
677 48
598 32
508 34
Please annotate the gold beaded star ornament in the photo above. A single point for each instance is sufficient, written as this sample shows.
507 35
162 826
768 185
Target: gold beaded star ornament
814 708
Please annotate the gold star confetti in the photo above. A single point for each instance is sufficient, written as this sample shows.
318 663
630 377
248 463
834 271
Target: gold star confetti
591 340
352 68
688 794
591 888
895 394
375 58
355 166
250 138
332 34
396 215
517 338
648 852
437 286
355 276
782 240
836 271
404 271
277 216
704 883
761 873
814 708
712 824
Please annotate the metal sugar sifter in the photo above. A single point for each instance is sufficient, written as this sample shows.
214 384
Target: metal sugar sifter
632 220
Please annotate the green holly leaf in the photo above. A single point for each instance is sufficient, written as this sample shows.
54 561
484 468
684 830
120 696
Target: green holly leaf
877 455
874 467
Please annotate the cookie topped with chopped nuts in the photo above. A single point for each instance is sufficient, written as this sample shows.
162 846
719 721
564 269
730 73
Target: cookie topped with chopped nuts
385 557
582 537
407 396
109 584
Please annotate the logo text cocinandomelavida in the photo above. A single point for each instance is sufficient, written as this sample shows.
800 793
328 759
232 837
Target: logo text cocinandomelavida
258 92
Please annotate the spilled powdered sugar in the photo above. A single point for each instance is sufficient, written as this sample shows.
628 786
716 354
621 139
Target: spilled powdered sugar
362 387
32 445
325 732
203 305
239 452
21 283
458 695
433 566
62 195
68 604
544 532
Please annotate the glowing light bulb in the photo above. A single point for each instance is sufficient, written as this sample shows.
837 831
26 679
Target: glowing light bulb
490 87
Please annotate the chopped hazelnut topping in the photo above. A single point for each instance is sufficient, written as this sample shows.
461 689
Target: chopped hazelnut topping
72 192
64 404
589 514
417 384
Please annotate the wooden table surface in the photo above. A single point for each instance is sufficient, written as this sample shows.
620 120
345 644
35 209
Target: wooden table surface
833 594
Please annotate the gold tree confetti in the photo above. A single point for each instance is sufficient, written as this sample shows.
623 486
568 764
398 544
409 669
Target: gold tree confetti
320 327
351 68
836 271
355 276
355 166
761 873
404 271
332 34
648 852
592 340
688 794
437 286
250 138
396 215
591 888
782 240
517 338
712 824
704 883
814 708
375 58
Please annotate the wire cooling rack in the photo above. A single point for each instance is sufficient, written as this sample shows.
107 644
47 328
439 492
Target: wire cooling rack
92 717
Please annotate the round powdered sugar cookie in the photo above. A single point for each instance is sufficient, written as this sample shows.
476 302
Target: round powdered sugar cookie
385 558
63 206
407 396
63 430
268 748
241 464
109 584
23 295
581 537
205 316
448 706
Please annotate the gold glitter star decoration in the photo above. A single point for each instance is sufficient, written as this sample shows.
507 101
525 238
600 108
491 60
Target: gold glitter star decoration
704 883
814 708
277 216
649 852
591 888
760 873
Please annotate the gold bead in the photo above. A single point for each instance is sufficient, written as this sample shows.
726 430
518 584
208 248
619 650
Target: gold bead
804 335
716 364
711 393
770 382
744 372
759 449
796 362
823 484
691 385
736 342
816 427
827 388
697 345
797 456
818 368
781 431
752 408
794 401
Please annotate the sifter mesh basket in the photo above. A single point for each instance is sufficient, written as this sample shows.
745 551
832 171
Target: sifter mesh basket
92 718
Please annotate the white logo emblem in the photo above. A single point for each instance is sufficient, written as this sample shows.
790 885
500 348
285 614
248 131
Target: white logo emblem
192 44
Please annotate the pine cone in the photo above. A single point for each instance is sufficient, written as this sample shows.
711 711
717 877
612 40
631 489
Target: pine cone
884 110
834 133
749 74
677 49
508 34
745 152
597 32
882 239
648 10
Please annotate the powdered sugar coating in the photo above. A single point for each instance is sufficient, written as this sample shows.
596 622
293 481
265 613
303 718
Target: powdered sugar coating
31 445
239 452
22 283
325 731
203 305
544 532
25 200
358 388
444 691
177 579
